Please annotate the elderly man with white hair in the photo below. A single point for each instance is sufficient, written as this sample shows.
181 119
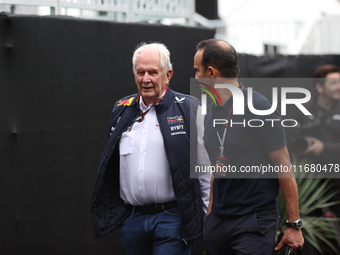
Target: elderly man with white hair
143 184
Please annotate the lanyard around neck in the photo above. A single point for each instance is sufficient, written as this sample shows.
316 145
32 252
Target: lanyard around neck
224 134
142 114
222 140
156 102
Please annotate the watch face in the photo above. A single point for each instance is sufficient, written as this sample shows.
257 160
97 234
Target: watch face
296 224
299 224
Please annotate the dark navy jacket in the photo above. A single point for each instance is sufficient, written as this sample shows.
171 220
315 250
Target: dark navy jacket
108 209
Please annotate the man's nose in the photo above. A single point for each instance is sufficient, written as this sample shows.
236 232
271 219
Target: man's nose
146 77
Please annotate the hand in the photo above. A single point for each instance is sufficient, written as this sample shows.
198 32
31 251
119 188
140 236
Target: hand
293 238
316 148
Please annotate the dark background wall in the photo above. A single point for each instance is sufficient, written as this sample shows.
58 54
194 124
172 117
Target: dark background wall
59 79
208 9
280 66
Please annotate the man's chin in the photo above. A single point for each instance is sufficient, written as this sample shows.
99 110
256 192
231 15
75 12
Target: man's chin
148 98
147 95
148 92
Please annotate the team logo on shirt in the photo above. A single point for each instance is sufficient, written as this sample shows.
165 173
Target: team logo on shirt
125 102
178 127
177 100
175 120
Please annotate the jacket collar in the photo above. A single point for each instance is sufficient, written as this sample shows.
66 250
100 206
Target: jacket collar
164 104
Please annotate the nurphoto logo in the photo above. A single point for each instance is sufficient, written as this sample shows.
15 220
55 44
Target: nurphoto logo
238 103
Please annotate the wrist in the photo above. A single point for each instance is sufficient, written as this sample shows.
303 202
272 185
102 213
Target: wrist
295 224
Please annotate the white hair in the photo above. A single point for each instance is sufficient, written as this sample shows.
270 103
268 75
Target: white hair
164 53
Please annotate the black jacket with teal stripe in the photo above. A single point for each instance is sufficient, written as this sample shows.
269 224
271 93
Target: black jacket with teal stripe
107 208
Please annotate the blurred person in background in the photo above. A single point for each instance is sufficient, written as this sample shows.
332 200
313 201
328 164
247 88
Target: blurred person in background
319 133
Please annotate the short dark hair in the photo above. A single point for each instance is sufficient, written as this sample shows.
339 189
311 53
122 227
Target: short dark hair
224 59
322 71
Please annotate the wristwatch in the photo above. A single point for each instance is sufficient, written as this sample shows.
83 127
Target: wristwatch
296 224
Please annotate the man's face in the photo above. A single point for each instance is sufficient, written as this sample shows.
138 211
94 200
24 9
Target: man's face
200 73
331 87
149 77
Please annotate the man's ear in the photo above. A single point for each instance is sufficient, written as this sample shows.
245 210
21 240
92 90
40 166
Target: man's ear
319 87
169 74
213 72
